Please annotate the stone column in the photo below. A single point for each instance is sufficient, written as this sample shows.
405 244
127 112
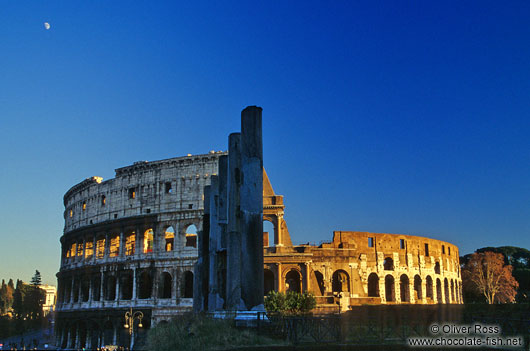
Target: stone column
122 243
90 283
117 293
307 278
134 285
213 294
72 290
102 285
251 205
233 271
201 269
278 239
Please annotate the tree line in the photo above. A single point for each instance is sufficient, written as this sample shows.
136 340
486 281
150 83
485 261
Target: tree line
21 306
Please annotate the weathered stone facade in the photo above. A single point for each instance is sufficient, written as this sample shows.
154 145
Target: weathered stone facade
126 244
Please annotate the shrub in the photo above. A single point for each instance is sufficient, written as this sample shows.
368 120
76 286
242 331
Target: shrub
290 303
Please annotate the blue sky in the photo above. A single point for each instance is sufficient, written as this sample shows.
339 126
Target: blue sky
397 117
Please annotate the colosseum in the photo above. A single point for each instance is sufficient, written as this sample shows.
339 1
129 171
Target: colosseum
131 243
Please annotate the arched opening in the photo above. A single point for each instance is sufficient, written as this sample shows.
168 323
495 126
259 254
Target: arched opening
187 288
390 293
418 294
126 285
268 281
67 289
388 264
404 287
96 288
293 281
428 287
320 282
268 233
85 289
446 290
108 333
145 286
165 285
100 247
148 241
191 236
110 288
437 268
130 243
114 245
82 330
373 285
340 281
170 239
452 291
438 290
76 289
73 330
89 248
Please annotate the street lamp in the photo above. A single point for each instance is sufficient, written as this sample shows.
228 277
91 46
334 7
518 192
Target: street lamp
129 323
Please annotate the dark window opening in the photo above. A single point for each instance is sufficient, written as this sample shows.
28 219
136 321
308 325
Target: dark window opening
169 190
115 215
426 249
370 242
190 206
443 249
132 193
402 244
449 250
103 200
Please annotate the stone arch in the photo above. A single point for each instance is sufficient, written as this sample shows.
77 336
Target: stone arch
429 288
130 243
390 291
388 264
418 293
169 239
110 287
320 281
100 247
145 285
82 333
126 285
187 287
96 287
340 281
268 233
108 333
438 290
114 245
437 267
446 290
293 281
373 285
268 281
148 241
190 235
404 287
164 285
85 289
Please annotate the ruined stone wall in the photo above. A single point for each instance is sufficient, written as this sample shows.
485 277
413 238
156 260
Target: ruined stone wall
126 244
368 268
